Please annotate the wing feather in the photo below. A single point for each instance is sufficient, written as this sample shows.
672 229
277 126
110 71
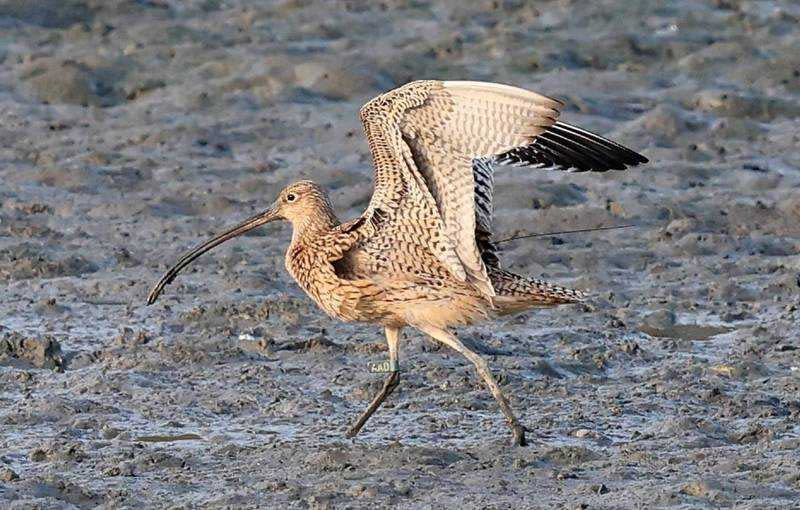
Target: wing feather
402 201
435 145
460 122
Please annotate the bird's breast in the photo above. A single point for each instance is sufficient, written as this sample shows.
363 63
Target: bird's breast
299 265
314 274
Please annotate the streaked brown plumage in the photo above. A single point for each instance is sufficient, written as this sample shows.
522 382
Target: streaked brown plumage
421 254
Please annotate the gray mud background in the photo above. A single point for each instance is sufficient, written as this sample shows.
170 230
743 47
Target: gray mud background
131 130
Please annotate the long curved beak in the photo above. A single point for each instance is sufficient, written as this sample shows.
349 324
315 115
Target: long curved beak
259 219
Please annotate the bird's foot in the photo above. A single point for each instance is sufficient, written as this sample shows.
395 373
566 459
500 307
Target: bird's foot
519 435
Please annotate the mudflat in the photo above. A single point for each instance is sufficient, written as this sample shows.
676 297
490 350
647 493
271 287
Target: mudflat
131 131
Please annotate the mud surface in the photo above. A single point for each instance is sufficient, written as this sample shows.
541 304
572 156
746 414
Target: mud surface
131 130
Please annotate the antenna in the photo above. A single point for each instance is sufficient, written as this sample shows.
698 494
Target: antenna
545 234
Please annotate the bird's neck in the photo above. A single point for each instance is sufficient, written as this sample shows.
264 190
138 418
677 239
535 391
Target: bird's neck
314 225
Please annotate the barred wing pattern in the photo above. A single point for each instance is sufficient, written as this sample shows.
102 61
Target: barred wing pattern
439 141
402 209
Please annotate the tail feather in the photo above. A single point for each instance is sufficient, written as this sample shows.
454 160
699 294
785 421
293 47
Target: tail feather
515 293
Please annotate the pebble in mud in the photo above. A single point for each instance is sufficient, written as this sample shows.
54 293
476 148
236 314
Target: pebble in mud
661 319
38 455
126 468
41 352
8 474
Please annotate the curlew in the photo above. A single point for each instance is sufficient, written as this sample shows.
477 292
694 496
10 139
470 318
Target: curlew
421 255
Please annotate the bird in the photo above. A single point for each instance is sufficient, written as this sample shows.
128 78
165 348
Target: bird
421 255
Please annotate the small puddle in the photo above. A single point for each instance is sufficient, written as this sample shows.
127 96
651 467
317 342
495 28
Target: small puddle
169 439
686 331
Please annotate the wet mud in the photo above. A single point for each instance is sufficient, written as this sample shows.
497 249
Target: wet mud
131 130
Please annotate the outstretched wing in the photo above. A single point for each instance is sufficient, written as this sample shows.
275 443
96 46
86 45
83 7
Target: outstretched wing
439 141
402 212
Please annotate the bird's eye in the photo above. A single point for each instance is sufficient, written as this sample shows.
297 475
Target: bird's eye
290 197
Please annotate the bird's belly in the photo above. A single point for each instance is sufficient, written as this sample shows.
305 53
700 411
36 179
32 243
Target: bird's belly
414 303
362 288
446 312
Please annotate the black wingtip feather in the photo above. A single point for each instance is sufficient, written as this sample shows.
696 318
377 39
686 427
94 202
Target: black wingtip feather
568 147
626 155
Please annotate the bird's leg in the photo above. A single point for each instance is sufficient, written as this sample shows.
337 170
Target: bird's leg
452 341
389 385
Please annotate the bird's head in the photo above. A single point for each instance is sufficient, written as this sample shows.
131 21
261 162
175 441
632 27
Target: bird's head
300 202
304 203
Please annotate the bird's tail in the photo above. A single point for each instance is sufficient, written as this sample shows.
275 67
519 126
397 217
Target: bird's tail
516 293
